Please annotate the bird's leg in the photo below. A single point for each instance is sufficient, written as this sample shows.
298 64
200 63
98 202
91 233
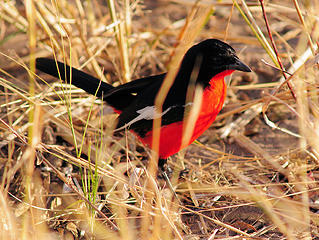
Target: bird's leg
163 168
162 164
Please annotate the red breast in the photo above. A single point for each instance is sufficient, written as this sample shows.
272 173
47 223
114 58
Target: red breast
212 102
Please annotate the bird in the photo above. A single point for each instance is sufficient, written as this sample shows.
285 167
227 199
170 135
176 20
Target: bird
134 101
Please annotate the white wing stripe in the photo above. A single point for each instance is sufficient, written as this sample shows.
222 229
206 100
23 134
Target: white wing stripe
147 113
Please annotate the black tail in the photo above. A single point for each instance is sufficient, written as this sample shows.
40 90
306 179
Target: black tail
79 79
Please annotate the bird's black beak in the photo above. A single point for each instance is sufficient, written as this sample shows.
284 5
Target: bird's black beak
239 65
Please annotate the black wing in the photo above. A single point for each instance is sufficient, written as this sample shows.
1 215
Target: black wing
124 95
139 115
142 126
136 86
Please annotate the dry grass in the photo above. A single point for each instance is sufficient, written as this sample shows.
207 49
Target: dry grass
63 174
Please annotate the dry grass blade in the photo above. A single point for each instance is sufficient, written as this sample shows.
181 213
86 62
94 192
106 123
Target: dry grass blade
122 31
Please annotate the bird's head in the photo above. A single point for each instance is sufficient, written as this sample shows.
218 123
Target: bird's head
209 58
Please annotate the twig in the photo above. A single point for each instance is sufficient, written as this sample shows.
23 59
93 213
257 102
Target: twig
275 48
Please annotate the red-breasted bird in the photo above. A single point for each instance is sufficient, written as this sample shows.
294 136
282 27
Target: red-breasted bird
134 101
